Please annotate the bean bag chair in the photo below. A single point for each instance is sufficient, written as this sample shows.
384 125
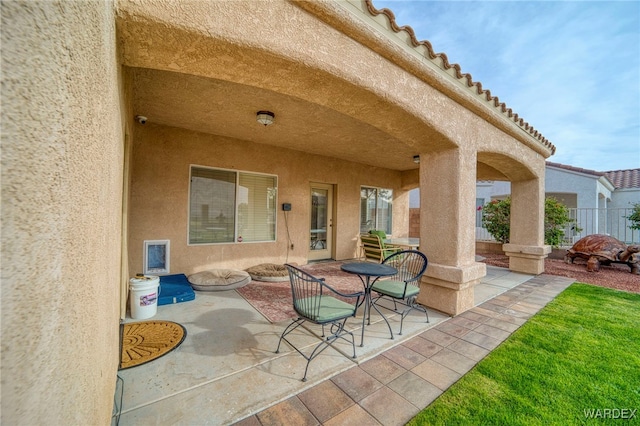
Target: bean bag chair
219 279
268 272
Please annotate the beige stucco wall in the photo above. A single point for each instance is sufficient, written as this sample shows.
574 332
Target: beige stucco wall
160 192
61 207
320 67
67 112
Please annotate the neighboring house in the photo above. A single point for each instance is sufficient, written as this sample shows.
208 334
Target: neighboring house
598 201
86 181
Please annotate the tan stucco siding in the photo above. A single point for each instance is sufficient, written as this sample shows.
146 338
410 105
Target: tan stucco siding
160 190
301 57
61 207
216 40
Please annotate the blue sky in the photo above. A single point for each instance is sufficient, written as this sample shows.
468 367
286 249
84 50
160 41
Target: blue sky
569 68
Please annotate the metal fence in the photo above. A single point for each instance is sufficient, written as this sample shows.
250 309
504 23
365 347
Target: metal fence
612 222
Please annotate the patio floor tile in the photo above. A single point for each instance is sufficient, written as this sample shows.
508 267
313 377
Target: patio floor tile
355 415
465 322
439 337
249 421
382 369
404 357
469 349
423 346
325 400
486 312
292 411
415 389
519 314
490 306
357 383
539 299
482 340
454 360
503 323
474 316
389 408
453 329
436 374
510 319
494 332
502 301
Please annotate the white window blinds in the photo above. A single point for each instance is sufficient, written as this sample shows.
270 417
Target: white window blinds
227 206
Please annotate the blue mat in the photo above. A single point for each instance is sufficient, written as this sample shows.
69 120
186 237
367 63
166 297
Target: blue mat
175 289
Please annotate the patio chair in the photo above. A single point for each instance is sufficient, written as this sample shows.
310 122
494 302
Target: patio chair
402 288
374 247
314 302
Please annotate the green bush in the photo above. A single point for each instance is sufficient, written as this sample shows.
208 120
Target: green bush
496 217
634 217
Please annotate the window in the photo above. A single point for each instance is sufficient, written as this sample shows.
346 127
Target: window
227 206
376 209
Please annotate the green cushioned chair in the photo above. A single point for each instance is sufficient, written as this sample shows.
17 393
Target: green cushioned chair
374 248
402 288
315 302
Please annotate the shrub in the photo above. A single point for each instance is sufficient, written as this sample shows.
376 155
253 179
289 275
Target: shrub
634 217
556 216
496 216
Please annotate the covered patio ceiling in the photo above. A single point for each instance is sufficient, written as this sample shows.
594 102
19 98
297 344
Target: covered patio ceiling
229 109
189 76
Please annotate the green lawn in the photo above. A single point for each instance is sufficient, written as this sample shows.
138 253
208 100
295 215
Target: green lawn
579 354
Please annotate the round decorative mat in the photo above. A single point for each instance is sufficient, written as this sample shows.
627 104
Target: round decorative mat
148 340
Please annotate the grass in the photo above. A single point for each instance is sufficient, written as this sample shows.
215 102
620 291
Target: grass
579 353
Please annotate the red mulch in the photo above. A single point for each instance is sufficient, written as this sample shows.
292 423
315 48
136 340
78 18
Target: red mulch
616 276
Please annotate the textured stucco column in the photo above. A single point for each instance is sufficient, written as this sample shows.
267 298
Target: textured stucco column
447 230
526 249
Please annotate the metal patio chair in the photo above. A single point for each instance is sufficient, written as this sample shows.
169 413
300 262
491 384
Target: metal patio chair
314 302
374 248
404 287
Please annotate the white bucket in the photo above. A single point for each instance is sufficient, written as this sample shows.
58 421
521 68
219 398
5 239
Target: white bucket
143 296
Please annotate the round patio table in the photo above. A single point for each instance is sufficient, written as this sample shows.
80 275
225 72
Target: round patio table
365 271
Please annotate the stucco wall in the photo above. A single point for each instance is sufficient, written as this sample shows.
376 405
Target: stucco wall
584 186
61 209
625 198
160 191
582 190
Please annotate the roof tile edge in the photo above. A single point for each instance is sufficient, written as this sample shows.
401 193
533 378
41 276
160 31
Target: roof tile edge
466 78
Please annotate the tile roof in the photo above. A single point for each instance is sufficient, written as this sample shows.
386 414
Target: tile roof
441 60
621 179
575 169
624 178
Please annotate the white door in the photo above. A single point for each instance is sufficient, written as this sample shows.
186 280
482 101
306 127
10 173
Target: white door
321 224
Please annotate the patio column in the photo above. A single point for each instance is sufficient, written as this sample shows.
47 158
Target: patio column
526 249
447 230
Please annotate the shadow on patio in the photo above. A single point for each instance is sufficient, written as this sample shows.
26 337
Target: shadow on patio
226 369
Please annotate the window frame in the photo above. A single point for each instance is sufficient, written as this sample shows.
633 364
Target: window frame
237 174
376 225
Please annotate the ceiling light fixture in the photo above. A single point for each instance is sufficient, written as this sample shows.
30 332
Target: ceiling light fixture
265 117
416 159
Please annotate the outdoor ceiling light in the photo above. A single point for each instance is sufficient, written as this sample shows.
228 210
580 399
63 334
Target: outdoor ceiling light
416 159
265 117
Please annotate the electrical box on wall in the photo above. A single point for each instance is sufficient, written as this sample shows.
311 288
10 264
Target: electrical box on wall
286 207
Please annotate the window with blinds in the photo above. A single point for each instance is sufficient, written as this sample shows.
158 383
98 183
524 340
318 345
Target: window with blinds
227 206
